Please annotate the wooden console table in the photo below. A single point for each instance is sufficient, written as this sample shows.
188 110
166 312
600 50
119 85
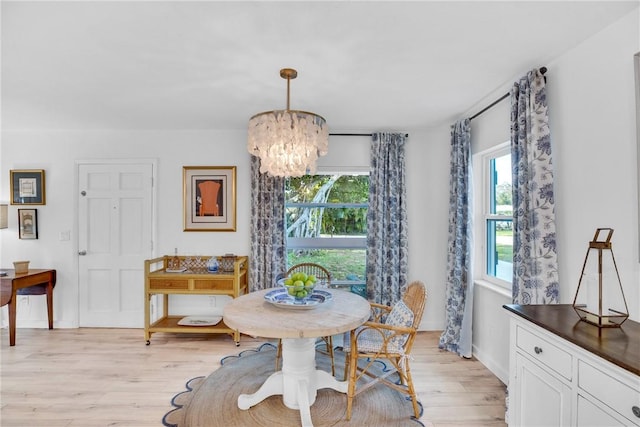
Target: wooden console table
195 280
34 282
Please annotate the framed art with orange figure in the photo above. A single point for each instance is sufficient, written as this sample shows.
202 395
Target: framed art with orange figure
209 198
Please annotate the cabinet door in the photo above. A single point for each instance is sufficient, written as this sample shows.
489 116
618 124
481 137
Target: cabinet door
591 415
542 399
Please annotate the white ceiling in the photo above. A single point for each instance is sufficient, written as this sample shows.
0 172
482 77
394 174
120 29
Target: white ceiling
363 65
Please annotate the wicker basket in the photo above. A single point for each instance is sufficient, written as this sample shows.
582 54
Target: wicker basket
21 267
227 262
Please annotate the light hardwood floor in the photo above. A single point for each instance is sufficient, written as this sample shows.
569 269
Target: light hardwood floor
108 377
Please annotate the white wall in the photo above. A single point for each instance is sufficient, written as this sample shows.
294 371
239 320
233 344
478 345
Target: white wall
592 120
593 93
58 152
428 210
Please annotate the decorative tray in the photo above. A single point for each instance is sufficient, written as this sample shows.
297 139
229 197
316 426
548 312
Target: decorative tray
280 298
200 320
179 270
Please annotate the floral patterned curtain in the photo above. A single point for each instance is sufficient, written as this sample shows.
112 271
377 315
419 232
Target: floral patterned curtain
535 260
456 336
268 249
387 220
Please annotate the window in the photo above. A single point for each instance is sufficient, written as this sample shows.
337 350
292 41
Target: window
326 221
497 215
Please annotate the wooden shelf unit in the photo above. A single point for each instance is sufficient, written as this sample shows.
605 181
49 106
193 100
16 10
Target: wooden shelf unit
195 280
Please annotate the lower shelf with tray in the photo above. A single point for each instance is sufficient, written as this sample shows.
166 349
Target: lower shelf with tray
170 324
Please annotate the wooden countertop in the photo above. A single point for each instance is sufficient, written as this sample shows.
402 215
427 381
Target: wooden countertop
620 346
252 315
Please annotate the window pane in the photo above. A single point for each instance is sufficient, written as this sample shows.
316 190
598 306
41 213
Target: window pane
326 205
500 249
500 196
499 224
326 220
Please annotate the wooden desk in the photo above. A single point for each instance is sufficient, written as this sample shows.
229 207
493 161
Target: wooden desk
299 380
12 283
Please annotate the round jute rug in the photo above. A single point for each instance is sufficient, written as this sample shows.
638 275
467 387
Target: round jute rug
212 401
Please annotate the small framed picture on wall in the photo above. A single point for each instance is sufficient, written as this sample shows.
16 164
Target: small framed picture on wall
28 223
27 187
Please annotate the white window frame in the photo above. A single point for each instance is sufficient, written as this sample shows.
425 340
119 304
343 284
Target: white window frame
482 183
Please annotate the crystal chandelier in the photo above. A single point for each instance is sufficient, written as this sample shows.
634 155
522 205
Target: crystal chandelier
288 142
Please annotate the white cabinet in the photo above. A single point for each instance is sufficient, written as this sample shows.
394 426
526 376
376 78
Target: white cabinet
543 399
564 372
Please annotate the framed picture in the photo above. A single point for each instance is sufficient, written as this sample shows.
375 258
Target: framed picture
209 197
28 223
27 187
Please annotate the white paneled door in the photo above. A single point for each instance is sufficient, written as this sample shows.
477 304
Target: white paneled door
115 217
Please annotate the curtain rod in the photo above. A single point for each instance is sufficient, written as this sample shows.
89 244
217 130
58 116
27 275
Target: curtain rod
506 95
357 134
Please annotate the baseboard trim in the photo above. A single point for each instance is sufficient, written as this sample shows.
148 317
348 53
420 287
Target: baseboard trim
497 369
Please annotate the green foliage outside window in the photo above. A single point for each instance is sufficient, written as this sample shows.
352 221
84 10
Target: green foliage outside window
326 221
312 222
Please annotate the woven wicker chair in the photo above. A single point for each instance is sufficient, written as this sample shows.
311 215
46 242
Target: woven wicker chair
324 279
389 336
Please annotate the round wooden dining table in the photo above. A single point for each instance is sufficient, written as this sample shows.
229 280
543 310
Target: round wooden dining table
299 380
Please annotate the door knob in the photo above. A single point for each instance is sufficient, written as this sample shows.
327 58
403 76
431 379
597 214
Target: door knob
82 253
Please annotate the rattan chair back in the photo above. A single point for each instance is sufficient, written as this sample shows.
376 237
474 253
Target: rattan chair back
415 297
321 273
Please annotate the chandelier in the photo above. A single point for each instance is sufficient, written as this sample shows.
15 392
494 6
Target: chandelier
288 142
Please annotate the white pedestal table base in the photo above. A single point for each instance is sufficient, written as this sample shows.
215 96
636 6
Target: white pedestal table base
297 382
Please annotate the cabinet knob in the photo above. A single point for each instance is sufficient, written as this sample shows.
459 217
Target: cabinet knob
537 349
636 411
